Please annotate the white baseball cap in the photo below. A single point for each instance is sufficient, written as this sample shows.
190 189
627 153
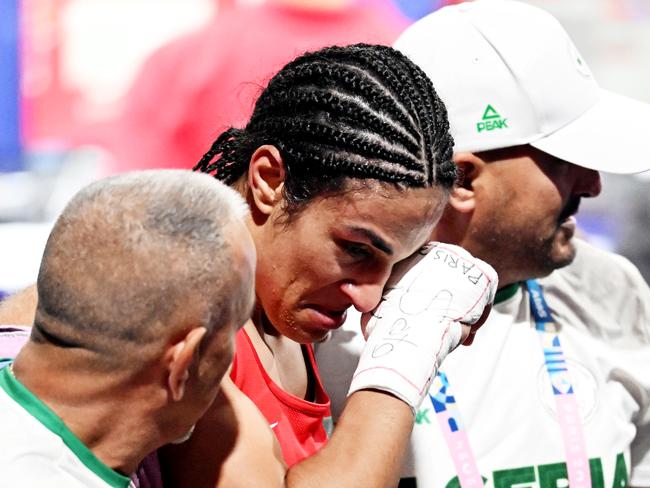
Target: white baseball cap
509 74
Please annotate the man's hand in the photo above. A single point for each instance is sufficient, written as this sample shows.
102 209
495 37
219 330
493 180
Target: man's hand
433 301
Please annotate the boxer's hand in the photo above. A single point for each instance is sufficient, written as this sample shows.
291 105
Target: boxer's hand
433 301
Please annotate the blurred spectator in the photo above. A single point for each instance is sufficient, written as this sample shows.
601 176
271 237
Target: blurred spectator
195 86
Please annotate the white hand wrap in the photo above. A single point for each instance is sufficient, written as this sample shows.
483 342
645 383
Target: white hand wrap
418 321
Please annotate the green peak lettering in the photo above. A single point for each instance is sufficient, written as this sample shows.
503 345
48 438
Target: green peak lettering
491 120
490 113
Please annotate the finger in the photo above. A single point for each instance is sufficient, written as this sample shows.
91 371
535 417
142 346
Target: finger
484 317
470 338
476 326
466 331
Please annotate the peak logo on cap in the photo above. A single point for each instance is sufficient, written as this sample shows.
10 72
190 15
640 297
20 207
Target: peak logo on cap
491 120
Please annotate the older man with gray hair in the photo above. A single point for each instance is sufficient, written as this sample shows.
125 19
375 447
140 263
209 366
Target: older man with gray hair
144 281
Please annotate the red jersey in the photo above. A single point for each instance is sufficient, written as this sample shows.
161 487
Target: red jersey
298 424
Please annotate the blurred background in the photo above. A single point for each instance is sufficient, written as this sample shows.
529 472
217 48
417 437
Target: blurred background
94 87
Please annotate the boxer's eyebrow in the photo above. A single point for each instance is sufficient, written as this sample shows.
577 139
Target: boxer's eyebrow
374 239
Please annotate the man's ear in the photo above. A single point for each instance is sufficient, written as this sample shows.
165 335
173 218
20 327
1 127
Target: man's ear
463 197
180 356
266 178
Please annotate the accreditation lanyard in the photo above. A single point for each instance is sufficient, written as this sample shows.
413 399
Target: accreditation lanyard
446 408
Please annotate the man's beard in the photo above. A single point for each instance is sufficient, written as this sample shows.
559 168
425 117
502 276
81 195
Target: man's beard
523 255
571 208
545 252
547 259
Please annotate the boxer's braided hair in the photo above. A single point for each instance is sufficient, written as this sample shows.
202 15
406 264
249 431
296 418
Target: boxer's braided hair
360 111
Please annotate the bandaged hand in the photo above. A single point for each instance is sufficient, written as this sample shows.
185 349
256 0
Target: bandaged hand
418 321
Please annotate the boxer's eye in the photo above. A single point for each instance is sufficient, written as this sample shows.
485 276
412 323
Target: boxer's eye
357 251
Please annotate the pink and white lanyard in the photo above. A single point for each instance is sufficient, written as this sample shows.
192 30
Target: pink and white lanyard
568 413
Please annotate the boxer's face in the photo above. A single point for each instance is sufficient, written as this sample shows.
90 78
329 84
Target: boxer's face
339 252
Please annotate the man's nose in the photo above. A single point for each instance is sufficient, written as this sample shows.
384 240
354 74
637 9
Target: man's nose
588 182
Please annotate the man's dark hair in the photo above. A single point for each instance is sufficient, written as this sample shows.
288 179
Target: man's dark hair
360 111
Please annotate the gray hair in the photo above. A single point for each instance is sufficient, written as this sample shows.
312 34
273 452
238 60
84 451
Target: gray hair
135 253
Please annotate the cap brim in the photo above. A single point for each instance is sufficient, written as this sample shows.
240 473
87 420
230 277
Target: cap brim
612 136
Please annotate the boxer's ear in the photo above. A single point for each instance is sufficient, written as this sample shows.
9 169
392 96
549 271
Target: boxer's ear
266 174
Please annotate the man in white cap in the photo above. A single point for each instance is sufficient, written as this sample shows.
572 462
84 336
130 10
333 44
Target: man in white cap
557 390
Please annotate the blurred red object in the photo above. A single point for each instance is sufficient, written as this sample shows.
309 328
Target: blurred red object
194 87
47 105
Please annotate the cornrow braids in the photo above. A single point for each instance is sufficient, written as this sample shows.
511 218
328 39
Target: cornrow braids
360 111
231 165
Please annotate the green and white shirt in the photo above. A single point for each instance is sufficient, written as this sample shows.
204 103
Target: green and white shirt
502 390
38 450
